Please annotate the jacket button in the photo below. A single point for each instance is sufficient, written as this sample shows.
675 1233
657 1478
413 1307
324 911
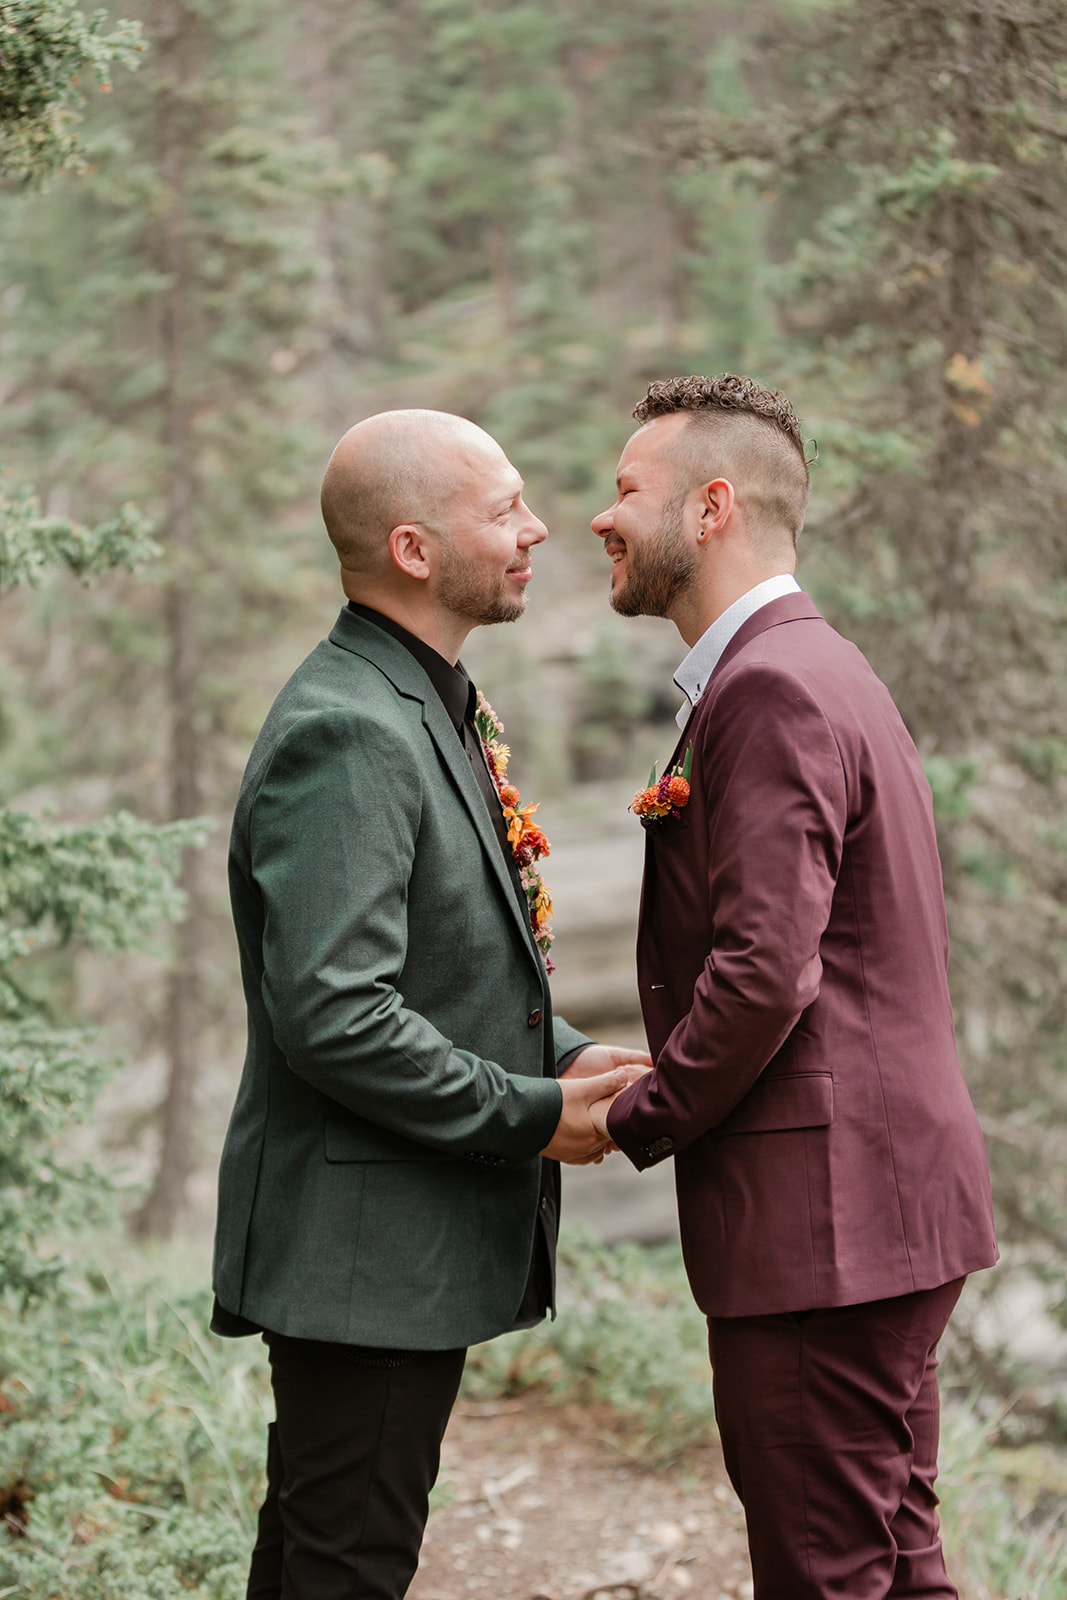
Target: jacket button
533 1019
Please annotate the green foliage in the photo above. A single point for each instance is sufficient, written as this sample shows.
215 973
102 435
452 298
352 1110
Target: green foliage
44 48
130 1450
31 543
131 1442
611 699
1002 1509
106 884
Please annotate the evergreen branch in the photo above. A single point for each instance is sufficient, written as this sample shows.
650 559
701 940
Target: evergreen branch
31 542
107 882
43 49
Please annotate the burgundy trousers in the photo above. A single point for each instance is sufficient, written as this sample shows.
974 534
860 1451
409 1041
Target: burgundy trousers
829 1428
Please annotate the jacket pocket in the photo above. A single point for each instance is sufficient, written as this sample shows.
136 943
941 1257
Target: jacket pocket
352 1139
796 1100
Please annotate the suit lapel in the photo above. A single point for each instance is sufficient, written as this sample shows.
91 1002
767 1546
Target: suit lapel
454 759
787 608
354 633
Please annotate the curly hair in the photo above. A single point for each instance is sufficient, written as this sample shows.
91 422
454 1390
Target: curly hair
751 433
728 393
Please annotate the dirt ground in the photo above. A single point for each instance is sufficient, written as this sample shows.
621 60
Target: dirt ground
540 1503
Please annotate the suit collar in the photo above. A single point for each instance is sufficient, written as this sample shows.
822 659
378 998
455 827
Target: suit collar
790 608
694 672
452 683
363 638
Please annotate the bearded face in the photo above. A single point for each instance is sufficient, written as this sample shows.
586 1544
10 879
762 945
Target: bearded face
479 591
652 570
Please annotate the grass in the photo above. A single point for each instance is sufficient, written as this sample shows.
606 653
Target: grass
131 1440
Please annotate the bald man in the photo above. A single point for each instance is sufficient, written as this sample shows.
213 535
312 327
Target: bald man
383 1197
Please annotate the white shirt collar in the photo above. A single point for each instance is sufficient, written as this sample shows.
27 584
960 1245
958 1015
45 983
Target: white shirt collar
693 674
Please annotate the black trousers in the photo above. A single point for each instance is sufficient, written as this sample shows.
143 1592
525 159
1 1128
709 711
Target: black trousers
351 1461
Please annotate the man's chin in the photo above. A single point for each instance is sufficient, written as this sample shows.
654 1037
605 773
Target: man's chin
508 608
627 604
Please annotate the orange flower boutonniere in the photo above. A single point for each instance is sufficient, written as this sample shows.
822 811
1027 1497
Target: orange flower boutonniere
666 797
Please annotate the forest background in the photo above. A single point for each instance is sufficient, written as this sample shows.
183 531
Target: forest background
279 219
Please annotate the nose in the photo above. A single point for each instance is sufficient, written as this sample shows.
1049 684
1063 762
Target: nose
534 531
604 523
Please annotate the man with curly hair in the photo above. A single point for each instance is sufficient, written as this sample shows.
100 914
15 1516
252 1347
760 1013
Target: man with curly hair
833 1188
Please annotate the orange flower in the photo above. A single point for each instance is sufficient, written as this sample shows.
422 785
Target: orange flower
535 840
648 804
678 792
525 838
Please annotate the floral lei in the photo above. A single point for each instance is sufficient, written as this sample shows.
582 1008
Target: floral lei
528 843
666 797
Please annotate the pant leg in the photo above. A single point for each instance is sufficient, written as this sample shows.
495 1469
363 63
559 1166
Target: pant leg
356 1451
816 1412
920 1562
265 1574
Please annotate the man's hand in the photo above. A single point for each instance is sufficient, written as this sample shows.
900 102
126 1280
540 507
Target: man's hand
598 1058
576 1138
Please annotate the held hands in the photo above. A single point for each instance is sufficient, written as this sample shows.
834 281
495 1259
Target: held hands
599 1058
589 1087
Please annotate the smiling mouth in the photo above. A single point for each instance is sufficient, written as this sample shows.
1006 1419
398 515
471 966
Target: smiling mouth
615 553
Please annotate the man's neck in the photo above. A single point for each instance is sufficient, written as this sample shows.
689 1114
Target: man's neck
443 632
696 611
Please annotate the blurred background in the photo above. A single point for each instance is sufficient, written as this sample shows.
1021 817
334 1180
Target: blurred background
281 218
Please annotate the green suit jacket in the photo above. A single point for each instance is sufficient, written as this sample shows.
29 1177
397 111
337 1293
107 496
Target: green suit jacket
380 1176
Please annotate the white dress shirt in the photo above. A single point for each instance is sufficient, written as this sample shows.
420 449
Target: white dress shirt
693 674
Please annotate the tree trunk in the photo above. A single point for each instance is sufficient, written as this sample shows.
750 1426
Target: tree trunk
950 672
165 1201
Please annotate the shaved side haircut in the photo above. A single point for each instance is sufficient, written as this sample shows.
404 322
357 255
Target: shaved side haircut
743 432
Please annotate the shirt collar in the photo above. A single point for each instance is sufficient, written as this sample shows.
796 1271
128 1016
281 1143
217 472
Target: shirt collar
454 688
693 674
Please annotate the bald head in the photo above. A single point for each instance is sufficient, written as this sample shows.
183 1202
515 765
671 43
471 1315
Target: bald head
393 468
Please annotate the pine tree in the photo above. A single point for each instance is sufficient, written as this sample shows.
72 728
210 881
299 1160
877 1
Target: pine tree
920 156
160 348
104 883
45 48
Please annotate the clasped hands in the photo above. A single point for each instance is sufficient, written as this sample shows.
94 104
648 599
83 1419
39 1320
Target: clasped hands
589 1085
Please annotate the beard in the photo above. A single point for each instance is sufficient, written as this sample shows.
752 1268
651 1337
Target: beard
662 571
467 590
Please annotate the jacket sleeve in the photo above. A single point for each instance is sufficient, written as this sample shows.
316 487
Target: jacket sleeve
773 827
332 835
567 1040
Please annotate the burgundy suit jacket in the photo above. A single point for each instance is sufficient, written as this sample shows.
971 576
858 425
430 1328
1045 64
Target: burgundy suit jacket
792 955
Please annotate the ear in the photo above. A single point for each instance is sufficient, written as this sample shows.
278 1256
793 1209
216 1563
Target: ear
717 501
409 550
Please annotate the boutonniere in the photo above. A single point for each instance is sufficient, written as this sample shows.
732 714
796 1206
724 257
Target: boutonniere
665 797
527 841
